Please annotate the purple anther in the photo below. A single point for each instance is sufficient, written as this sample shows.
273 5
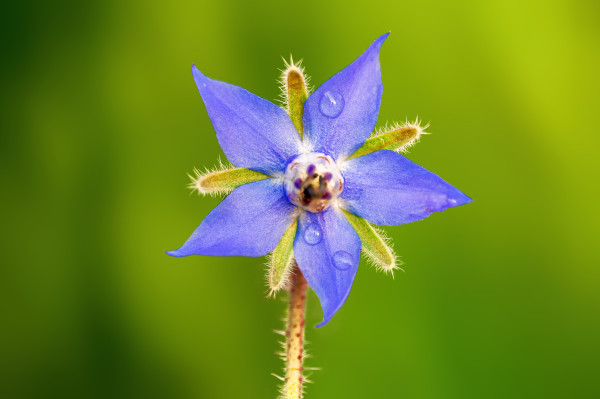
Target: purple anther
328 176
326 196
298 183
311 169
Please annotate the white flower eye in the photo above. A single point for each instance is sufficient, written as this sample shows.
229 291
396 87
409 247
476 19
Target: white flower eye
313 181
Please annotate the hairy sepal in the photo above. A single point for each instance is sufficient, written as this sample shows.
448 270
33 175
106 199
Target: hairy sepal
281 261
374 244
294 92
396 138
223 179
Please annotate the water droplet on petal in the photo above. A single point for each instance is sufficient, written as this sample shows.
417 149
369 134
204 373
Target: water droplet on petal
313 234
332 104
342 260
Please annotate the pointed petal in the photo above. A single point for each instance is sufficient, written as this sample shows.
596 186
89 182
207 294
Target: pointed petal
386 188
327 250
248 222
341 114
254 133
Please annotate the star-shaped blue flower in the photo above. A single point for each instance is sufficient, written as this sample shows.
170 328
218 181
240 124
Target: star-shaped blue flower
312 178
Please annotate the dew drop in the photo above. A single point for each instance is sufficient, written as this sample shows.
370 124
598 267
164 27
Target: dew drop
332 104
342 260
313 234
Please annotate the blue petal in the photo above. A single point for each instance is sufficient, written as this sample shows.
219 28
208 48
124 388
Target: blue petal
341 114
327 250
248 222
254 133
386 188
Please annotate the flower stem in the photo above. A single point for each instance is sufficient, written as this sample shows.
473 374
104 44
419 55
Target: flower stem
295 92
294 337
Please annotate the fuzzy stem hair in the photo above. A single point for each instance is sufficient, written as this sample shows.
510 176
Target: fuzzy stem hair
295 93
294 337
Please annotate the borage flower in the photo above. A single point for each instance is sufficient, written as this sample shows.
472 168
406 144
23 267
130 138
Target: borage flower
309 186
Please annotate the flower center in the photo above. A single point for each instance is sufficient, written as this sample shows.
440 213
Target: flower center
313 181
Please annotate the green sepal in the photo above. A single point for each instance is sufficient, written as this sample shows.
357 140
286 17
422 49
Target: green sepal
397 139
374 244
281 260
223 181
293 86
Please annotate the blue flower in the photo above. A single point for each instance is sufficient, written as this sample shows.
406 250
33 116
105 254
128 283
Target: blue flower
313 179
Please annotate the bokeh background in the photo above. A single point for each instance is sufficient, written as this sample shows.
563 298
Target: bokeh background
101 121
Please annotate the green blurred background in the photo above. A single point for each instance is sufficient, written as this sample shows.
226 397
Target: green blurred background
101 121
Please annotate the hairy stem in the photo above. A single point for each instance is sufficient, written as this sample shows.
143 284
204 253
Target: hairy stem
294 338
294 90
